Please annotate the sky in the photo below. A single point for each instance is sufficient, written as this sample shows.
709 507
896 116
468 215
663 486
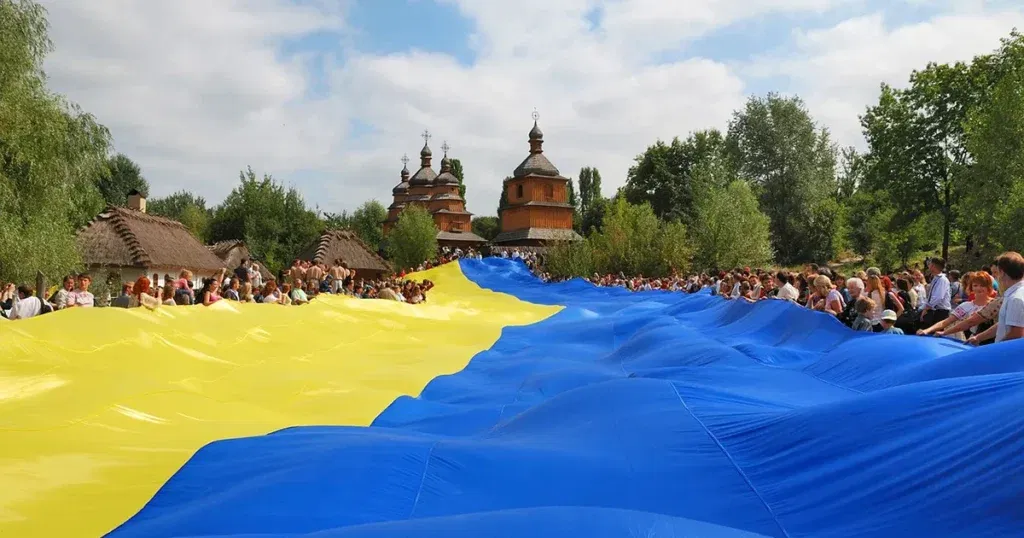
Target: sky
327 95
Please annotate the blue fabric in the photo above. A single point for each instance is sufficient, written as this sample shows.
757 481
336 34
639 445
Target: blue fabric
645 414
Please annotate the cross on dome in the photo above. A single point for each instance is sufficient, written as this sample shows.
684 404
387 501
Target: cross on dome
426 136
405 159
445 147
535 115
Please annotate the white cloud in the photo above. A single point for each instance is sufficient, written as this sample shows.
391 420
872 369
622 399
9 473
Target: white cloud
197 90
838 70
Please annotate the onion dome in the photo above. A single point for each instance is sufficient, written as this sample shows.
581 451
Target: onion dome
403 186
536 164
446 177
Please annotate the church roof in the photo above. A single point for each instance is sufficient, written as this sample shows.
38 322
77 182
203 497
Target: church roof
537 234
536 164
447 196
446 177
423 176
468 237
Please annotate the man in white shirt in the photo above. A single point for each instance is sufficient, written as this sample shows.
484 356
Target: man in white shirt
939 301
27 305
786 290
1009 270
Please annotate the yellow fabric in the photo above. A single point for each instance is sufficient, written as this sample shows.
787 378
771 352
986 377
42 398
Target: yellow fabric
99 407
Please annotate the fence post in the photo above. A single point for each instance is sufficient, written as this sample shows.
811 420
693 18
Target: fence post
40 285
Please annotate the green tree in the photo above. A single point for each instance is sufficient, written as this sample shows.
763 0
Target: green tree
990 206
852 167
197 220
457 172
486 227
634 240
569 259
503 201
590 188
121 176
50 152
791 164
413 240
896 240
338 221
860 210
663 174
273 221
187 208
917 139
593 205
367 222
574 201
730 230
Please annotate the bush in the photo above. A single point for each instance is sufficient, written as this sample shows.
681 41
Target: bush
570 259
632 241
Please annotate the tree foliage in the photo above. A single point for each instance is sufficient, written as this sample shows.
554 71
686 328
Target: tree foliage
991 202
50 153
186 207
338 221
120 177
592 203
663 175
635 241
503 200
413 240
273 221
574 200
570 259
367 223
457 172
486 227
791 164
729 229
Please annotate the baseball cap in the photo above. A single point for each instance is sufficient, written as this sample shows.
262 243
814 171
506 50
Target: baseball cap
888 315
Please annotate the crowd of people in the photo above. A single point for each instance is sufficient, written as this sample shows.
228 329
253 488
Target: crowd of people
965 306
299 284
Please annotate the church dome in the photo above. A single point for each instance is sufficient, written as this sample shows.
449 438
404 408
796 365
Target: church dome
446 177
423 177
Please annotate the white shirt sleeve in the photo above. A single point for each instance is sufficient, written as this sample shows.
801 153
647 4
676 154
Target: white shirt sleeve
1014 313
938 295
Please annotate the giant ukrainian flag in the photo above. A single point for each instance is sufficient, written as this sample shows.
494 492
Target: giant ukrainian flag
503 407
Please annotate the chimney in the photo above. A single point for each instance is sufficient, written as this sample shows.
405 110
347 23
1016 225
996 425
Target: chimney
136 201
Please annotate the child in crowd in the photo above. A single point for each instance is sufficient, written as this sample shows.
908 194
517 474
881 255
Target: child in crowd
863 321
888 323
